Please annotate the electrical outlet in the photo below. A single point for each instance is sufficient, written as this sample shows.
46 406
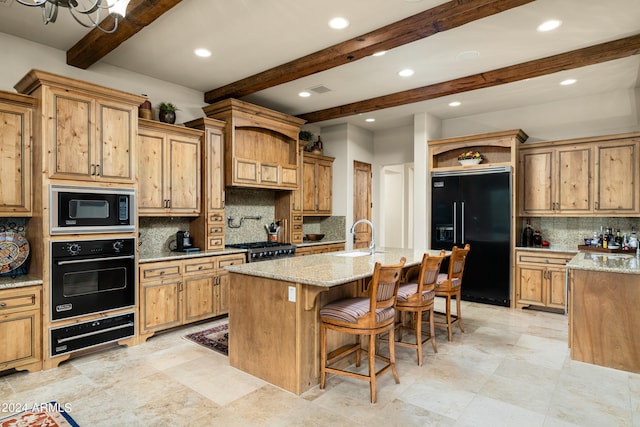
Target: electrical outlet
292 293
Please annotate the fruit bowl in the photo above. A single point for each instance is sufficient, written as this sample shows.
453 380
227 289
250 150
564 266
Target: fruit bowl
314 237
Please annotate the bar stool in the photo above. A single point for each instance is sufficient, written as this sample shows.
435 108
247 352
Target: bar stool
415 298
372 316
449 286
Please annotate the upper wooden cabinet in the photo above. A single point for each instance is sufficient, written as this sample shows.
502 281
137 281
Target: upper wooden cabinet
589 176
15 153
208 229
261 145
89 130
169 170
317 185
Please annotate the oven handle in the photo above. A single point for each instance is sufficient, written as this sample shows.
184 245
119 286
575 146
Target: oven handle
79 261
88 334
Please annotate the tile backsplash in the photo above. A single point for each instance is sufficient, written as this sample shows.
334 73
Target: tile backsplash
571 231
158 233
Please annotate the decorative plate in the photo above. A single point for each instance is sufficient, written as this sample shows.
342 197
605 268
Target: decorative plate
14 250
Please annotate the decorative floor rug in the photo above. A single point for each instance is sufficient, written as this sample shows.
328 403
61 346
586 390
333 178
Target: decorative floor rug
50 414
216 338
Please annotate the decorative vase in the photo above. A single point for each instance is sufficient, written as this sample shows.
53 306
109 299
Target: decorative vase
145 110
166 116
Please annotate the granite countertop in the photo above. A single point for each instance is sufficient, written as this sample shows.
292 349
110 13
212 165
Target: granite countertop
321 242
614 263
167 255
551 248
19 282
330 269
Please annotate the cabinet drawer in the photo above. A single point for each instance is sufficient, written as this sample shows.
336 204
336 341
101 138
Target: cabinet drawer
297 218
20 299
216 229
542 259
226 260
215 242
216 218
160 270
199 266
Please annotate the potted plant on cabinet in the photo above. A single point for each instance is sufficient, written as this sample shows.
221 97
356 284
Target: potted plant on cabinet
167 112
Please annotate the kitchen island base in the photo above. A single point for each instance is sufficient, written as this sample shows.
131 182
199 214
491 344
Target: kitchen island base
604 319
274 329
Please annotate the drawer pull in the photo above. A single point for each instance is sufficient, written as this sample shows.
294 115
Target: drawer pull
3 304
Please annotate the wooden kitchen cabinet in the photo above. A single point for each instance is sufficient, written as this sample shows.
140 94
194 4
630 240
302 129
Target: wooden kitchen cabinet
541 279
556 180
169 170
15 154
20 329
207 229
174 293
261 145
580 177
319 249
88 131
317 185
289 206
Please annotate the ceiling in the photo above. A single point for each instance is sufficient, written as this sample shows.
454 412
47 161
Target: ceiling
248 37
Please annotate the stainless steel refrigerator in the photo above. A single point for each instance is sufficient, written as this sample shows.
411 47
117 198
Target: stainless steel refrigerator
475 207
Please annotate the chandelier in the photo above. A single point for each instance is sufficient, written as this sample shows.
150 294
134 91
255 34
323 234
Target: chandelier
85 12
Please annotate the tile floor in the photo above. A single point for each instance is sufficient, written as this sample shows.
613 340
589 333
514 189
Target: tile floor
510 368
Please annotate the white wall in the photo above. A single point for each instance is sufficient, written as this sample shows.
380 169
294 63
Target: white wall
19 56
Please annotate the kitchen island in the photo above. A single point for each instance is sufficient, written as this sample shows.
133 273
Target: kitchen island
274 309
604 296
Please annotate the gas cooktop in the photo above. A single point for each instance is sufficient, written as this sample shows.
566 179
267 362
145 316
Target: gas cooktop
257 245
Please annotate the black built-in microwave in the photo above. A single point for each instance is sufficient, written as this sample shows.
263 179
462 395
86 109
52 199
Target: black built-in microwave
81 210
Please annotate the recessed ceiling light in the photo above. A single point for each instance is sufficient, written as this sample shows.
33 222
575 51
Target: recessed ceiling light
549 25
455 104
370 120
382 52
304 94
568 82
202 53
406 72
338 23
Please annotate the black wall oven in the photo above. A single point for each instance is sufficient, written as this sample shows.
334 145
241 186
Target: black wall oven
92 276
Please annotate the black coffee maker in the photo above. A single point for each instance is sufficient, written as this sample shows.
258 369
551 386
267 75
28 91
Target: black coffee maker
184 242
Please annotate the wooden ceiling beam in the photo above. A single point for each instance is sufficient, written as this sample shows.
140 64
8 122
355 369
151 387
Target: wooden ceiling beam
591 55
97 44
424 24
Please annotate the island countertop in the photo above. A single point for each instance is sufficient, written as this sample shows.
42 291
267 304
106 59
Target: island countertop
327 270
612 263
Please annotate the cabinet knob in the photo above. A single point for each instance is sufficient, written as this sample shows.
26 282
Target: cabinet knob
3 304
200 267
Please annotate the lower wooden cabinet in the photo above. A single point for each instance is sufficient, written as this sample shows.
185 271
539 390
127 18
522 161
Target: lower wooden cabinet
174 293
319 249
541 279
20 329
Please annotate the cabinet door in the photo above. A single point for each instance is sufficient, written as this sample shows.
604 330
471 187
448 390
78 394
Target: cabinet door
309 186
71 135
183 171
530 285
151 173
573 180
215 171
160 305
556 291
20 329
222 294
323 187
198 297
536 194
15 160
115 148
617 177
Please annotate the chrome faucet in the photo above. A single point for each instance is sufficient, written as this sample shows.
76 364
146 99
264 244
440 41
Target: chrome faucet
372 246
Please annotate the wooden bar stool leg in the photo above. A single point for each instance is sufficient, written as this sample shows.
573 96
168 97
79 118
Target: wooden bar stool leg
372 364
432 329
448 315
323 355
418 326
459 312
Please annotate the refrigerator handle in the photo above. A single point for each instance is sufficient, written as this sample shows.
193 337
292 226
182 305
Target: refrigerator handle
462 223
455 224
